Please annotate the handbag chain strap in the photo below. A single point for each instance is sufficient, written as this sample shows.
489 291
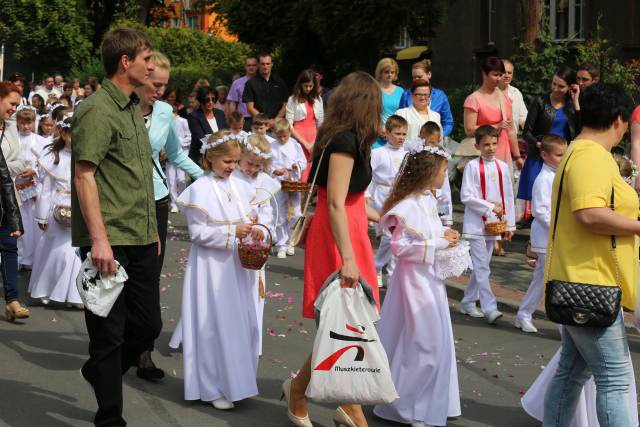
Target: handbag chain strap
555 223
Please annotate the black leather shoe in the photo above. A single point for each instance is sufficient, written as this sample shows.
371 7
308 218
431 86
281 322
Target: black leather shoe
150 374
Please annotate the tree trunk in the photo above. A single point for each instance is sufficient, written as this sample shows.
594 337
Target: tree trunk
531 20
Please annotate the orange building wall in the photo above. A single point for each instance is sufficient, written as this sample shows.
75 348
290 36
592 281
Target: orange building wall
206 21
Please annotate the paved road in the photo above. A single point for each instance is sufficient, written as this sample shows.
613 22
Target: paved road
40 385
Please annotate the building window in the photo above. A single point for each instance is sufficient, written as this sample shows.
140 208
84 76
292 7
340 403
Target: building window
565 18
175 23
403 40
192 22
491 39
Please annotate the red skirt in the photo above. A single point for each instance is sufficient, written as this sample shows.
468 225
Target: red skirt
321 256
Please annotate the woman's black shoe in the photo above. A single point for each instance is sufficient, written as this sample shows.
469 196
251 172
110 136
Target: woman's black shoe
150 374
148 370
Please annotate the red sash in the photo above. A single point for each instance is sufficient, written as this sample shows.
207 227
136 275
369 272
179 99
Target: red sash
483 185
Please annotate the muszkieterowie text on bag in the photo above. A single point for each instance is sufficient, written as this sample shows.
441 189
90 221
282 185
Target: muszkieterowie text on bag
349 364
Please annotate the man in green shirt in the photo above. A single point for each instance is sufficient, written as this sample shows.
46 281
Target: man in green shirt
113 216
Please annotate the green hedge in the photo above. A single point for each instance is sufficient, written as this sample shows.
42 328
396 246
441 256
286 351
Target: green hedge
193 54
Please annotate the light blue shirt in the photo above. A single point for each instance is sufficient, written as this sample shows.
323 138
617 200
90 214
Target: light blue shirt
163 135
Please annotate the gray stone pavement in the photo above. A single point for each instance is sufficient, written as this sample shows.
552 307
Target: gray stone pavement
40 386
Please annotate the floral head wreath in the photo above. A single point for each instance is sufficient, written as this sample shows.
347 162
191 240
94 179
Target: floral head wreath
66 121
254 150
418 145
27 107
208 145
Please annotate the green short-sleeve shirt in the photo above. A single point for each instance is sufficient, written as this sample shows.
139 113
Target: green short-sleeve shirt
109 131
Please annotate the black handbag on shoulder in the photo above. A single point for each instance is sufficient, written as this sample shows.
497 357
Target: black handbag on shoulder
581 304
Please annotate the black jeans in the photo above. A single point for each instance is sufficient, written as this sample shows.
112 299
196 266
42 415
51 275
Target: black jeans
9 267
162 218
116 341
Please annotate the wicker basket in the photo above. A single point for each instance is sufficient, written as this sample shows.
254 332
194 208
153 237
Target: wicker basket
253 257
296 186
495 228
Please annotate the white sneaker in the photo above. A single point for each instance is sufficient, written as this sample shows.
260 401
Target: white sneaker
525 325
291 251
45 301
472 311
282 254
222 404
379 277
174 209
493 316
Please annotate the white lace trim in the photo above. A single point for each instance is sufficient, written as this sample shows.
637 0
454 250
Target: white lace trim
452 262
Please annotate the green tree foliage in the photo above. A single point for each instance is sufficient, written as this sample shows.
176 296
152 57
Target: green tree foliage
599 51
45 35
347 35
536 63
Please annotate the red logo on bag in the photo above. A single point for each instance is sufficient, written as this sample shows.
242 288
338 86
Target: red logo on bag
327 364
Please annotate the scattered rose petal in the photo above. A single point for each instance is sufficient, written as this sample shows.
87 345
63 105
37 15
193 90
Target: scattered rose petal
271 332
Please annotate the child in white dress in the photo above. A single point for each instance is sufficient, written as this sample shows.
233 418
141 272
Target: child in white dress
254 168
28 185
385 164
289 162
487 195
415 326
55 263
46 128
431 133
218 328
176 177
552 148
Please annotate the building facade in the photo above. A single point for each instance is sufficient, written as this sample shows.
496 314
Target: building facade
183 14
478 28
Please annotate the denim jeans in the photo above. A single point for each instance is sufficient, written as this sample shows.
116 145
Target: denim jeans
603 353
9 267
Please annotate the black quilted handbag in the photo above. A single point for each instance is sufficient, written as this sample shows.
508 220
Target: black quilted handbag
582 304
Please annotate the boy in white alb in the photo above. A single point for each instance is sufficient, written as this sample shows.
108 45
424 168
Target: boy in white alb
176 178
431 133
289 162
385 164
552 149
487 195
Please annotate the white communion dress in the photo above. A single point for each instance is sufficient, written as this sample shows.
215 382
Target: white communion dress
218 328
415 326
55 263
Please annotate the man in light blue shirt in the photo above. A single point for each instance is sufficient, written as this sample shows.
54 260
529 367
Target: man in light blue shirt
439 101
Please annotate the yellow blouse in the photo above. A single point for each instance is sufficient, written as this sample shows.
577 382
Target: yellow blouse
579 255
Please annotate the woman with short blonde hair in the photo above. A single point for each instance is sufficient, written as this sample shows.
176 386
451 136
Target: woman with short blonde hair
386 74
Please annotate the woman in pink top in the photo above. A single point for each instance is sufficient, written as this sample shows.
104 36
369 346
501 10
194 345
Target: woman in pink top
485 106
305 113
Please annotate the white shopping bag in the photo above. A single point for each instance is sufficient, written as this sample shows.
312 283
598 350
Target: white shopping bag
98 294
349 364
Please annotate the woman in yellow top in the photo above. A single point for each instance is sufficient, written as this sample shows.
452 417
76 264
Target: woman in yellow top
582 253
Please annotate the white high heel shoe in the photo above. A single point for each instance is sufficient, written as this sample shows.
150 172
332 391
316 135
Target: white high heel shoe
297 421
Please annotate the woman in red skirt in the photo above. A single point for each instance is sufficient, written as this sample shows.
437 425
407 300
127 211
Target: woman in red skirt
338 236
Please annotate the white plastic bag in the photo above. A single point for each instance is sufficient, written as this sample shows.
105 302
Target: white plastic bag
349 364
99 294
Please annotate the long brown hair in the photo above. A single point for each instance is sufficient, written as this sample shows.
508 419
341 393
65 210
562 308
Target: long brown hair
416 173
355 104
57 145
306 76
